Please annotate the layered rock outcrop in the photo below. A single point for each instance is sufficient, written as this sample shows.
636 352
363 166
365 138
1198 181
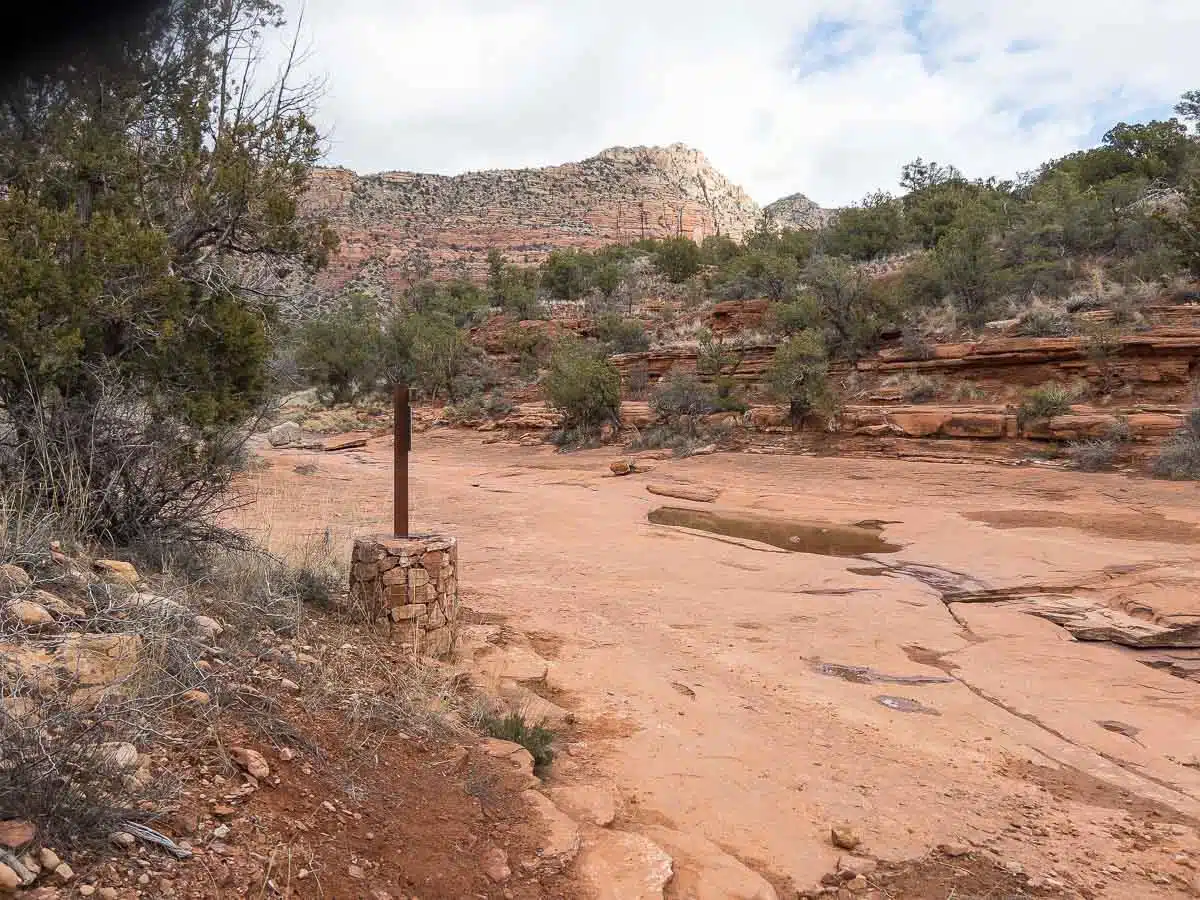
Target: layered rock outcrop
1158 365
399 226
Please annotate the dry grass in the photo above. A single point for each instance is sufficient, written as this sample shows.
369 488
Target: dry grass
1179 459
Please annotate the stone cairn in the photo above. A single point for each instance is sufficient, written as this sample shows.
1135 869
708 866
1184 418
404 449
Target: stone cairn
409 586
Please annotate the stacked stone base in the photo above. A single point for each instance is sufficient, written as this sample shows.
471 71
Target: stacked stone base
408 586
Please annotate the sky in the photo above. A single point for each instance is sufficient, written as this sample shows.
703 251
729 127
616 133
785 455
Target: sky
825 98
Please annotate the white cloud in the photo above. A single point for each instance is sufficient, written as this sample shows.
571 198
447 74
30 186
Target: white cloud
474 84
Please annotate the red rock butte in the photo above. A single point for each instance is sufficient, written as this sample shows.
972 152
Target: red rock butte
398 227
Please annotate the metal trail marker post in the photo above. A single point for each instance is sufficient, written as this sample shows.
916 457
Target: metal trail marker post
404 582
402 428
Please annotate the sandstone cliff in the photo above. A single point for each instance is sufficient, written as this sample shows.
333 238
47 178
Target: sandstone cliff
396 227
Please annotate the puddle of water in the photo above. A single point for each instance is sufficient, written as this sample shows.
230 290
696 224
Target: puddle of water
870 571
867 675
798 536
904 704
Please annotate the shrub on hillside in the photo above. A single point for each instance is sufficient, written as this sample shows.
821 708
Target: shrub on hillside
1093 456
1044 402
681 399
621 335
919 388
513 288
120 472
799 375
1046 321
853 315
789 317
341 353
1179 458
677 258
867 230
582 385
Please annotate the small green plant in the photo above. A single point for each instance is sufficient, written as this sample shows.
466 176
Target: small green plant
537 739
1180 456
1043 403
497 406
967 392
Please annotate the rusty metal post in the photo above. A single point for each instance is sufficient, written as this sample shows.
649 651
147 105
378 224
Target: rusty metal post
402 427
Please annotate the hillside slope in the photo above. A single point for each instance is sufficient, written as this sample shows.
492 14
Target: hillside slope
796 211
396 227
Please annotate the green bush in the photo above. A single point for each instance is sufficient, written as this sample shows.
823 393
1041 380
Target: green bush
871 229
680 399
758 273
341 353
621 335
799 375
582 385
796 315
513 288
440 362
1043 403
531 346
852 313
677 258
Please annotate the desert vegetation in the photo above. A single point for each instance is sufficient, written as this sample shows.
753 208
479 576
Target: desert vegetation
146 194
1074 249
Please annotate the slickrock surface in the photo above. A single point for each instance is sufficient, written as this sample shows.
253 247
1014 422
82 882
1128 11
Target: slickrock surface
1015 685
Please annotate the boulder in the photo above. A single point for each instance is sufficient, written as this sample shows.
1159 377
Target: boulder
560 841
208 628
59 607
285 434
495 865
703 871
10 881
532 707
116 757
622 467
97 662
770 416
16 833
117 571
595 804
13 579
31 666
618 865
148 604
28 614
844 837
252 761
